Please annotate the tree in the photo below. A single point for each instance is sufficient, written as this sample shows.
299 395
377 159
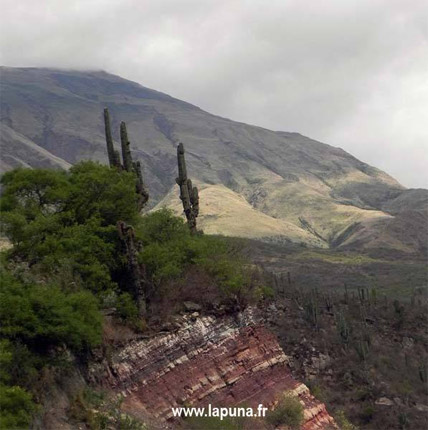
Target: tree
66 221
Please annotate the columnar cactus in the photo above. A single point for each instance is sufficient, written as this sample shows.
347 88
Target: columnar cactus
126 151
188 194
328 302
138 281
346 295
113 155
362 348
343 328
136 271
128 164
311 308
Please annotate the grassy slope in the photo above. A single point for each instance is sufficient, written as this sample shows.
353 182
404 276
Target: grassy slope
393 274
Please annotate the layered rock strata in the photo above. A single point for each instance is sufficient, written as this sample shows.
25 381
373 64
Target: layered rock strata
219 361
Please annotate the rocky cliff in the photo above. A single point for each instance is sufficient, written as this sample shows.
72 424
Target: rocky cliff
224 361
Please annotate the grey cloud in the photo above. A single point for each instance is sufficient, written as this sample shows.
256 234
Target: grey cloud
350 73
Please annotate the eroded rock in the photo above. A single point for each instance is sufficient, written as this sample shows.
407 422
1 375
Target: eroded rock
219 361
384 401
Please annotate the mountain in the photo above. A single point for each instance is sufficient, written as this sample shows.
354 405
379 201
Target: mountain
271 185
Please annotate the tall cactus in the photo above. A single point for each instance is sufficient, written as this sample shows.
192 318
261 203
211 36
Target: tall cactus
136 270
126 151
310 305
188 193
113 155
343 328
128 164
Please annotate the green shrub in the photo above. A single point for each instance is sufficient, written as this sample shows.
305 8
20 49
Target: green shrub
343 422
288 412
18 365
316 390
127 311
162 226
42 315
99 412
16 407
169 250
264 292
126 308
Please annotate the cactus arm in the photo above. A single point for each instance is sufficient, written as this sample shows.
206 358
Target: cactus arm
109 141
143 194
195 202
188 194
126 152
182 171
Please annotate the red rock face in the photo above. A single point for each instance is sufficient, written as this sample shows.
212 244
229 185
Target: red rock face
222 362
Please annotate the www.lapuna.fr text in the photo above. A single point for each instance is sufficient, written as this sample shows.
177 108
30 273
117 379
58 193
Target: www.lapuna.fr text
221 413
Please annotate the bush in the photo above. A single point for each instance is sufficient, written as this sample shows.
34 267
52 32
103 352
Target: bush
43 315
288 412
343 422
169 250
127 311
99 412
16 407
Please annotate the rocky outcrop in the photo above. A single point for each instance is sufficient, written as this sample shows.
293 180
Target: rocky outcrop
219 361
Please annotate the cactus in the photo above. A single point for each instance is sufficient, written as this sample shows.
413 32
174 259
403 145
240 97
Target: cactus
188 194
128 164
136 271
328 302
113 155
362 348
126 233
126 151
363 314
311 308
422 370
343 329
143 195
374 296
346 295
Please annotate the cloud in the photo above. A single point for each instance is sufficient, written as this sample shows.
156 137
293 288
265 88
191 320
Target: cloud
352 74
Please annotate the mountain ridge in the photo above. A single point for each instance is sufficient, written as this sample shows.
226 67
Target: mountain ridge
308 186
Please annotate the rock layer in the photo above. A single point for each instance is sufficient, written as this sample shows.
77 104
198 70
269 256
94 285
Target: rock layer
219 361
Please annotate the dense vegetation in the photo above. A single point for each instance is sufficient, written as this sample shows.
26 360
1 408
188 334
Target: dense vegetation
67 264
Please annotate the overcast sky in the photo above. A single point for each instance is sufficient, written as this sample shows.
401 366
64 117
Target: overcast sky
351 73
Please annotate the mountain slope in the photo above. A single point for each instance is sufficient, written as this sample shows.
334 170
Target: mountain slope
278 185
19 151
